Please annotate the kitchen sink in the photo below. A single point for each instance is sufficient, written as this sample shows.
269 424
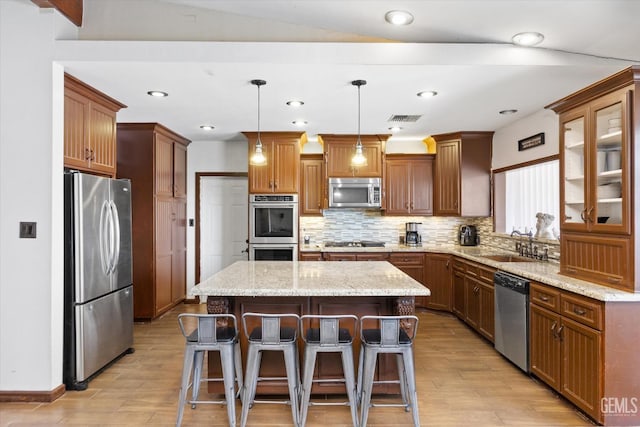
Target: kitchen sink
508 258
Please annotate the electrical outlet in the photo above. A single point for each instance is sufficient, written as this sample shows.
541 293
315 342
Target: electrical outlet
191 222
27 230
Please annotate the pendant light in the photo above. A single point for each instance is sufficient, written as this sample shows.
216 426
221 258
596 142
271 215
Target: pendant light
258 159
358 159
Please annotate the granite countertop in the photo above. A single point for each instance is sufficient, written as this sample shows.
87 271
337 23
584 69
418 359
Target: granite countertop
545 272
310 278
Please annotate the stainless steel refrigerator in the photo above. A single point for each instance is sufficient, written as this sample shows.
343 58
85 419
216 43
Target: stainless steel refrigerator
98 294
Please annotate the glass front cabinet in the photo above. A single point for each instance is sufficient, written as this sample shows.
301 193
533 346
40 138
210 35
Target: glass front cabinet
595 190
598 127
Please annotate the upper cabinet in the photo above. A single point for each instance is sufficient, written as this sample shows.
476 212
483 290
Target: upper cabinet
598 127
281 172
311 183
462 177
409 184
339 149
89 128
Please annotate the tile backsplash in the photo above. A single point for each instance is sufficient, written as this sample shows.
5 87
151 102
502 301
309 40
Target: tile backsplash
370 224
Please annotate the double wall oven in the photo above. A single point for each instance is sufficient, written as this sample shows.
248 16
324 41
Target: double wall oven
273 227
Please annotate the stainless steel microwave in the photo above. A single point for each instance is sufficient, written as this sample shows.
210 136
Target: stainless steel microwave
354 192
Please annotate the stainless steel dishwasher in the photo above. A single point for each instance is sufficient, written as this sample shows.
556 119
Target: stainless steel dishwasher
512 318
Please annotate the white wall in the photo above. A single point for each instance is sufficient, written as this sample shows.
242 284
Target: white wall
505 140
209 156
31 270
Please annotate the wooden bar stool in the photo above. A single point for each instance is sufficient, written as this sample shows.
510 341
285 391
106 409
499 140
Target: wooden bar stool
390 336
273 334
211 332
328 334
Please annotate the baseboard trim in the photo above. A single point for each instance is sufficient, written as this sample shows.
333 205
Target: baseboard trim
191 301
32 396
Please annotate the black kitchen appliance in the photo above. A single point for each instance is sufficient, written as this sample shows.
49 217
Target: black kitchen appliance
412 237
468 235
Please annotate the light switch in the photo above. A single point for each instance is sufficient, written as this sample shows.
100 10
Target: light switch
191 222
27 230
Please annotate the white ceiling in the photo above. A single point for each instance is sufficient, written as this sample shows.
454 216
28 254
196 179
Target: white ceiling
312 49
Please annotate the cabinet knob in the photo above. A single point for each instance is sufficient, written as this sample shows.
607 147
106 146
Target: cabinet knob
544 298
579 311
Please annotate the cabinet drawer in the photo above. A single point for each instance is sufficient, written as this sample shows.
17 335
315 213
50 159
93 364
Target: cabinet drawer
458 264
473 270
583 310
486 275
407 259
545 297
380 256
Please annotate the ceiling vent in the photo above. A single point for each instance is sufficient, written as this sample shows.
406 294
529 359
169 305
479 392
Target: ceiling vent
404 118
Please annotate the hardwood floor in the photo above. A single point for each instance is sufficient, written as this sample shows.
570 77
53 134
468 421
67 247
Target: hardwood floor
462 381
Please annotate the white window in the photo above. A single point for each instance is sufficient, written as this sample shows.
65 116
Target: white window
522 192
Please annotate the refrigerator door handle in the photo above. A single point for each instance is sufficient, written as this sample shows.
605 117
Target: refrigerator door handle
116 233
103 238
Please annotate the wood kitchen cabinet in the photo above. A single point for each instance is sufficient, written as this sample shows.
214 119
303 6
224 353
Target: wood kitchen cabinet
312 184
339 149
89 128
411 263
154 158
281 173
598 127
355 256
473 299
409 184
310 256
438 278
565 345
462 174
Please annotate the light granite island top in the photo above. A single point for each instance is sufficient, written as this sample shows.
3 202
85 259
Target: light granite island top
310 278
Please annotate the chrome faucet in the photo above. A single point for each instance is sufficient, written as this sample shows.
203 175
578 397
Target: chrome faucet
520 248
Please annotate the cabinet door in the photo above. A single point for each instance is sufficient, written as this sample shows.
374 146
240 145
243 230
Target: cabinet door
447 178
179 170
261 177
397 187
437 277
610 195
311 187
286 167
163 253
573 165
76 130
421 187
102 139
179 251
581 366
486 318
472 302
339 156
544 346
459 294
163 165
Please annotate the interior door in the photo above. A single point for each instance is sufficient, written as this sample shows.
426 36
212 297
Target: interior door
223 222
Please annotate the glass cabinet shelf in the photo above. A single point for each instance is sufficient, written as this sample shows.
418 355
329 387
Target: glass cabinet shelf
575 145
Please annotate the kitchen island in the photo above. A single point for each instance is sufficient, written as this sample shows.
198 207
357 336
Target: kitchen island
310 287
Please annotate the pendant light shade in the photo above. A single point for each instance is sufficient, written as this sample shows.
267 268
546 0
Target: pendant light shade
258 159
358 158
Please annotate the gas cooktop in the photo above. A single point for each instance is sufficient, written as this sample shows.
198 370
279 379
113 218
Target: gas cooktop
355 244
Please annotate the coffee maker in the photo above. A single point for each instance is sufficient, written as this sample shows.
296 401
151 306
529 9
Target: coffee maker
412 237
468 235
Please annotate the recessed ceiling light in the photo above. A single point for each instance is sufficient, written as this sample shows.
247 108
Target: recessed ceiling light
299 122
507 112
157 93
427 94
527 39
398 17
394 129
207 127
295 103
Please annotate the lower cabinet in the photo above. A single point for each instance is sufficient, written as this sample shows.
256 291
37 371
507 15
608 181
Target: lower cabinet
310 256
566 353
437 277
473 295
355 256
413 265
